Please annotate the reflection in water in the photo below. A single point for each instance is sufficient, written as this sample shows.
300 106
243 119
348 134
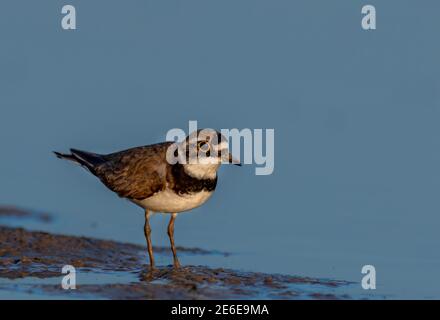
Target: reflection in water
31 264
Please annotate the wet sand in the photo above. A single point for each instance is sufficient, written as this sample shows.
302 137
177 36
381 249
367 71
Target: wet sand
28 254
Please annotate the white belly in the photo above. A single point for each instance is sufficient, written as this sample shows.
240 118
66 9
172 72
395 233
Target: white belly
169 202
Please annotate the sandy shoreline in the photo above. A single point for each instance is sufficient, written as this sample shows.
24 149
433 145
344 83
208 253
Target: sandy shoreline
28 254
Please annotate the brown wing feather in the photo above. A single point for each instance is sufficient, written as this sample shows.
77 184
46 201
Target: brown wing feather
136 173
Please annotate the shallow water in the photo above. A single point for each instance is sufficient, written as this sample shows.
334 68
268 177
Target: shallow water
355 114
33 288
101 281
31 264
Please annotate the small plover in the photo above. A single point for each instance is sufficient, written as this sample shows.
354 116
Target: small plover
146 176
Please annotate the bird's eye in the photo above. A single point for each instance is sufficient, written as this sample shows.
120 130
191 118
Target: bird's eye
203 146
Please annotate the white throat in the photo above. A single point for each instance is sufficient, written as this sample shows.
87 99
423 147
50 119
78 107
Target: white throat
201 171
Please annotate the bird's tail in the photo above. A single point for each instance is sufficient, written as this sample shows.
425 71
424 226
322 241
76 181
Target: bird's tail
86 159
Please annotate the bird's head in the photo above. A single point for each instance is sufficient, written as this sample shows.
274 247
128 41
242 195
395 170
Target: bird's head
203 152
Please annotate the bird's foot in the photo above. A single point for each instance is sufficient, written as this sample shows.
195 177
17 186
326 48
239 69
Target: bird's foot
176 264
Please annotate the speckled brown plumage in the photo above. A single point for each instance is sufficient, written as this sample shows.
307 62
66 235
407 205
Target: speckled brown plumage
137 173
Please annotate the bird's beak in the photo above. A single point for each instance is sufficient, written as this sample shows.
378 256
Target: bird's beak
232 160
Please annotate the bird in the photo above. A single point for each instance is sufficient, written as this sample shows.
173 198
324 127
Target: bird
167 177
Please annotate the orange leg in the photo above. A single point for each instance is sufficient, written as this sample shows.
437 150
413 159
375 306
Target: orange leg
171 235
147 232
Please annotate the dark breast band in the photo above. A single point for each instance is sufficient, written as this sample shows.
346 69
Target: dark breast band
182 183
